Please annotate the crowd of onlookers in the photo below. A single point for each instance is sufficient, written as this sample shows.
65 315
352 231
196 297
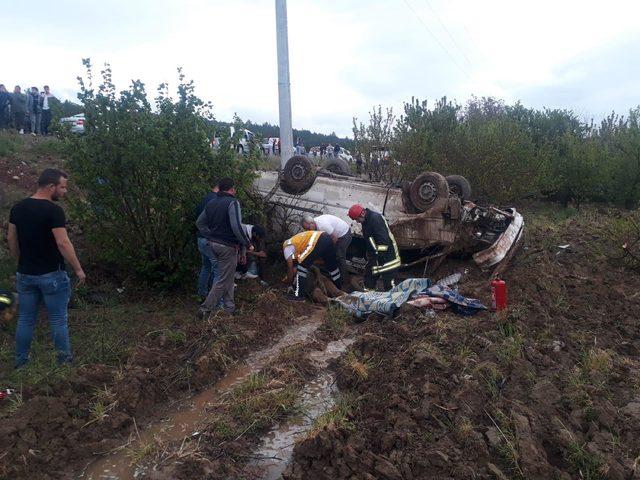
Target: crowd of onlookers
28 112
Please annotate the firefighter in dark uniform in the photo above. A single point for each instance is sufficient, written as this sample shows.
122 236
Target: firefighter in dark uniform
304 249
383 256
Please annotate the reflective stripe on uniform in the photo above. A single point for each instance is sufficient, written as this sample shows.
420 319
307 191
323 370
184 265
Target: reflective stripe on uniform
310 246
373 243
393 264
383 248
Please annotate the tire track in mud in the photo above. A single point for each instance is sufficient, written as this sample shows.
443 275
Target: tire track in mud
276 448
182 420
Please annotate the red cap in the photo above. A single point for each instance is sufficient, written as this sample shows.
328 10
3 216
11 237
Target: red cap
355 211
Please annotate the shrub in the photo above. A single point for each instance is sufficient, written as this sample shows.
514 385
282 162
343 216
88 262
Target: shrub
143 169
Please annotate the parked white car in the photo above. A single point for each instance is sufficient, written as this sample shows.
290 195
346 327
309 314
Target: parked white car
76 122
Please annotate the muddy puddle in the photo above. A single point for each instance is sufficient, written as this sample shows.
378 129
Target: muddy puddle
183 419
276 449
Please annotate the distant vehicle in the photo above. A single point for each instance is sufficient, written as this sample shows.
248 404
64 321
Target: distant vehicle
345 155
76 122
244 143
247 138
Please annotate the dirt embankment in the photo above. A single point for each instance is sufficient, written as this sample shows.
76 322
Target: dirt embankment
54 433
549 390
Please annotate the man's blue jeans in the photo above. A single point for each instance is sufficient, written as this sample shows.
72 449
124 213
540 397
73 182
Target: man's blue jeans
54 290
209 269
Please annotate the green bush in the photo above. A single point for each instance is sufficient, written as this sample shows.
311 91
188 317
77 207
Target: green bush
143 169
508 152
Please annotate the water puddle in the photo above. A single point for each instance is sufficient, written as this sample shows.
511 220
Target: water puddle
182 420
276 449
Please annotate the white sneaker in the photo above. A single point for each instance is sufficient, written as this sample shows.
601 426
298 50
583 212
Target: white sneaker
250 275
22 131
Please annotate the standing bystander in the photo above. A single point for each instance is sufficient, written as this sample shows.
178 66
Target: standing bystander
209 264
38 238
5 101
34 110
221 224
47 98
18 108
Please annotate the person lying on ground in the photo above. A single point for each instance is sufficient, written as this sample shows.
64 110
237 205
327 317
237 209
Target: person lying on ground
302 250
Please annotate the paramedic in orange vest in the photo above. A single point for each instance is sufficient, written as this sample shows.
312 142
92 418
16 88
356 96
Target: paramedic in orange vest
304 249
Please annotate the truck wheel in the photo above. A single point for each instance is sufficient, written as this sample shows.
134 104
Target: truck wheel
426 189
406 199
338 166
298 175
459 186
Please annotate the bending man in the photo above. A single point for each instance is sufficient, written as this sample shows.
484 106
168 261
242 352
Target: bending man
338 230
304 249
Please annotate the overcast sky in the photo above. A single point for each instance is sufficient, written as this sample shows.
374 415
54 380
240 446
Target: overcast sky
346 55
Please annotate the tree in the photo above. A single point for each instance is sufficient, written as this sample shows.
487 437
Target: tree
373 143
143 169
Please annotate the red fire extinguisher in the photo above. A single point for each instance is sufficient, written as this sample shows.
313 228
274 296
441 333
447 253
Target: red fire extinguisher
498 295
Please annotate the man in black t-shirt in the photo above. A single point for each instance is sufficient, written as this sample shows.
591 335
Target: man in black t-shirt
38 239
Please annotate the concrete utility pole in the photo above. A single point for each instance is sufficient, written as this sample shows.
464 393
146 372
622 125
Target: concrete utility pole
284 83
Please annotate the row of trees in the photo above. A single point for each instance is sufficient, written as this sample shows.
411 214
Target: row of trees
508 152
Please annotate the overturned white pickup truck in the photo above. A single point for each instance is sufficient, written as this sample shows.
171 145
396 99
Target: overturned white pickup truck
430 217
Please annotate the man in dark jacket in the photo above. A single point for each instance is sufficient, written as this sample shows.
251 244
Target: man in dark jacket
34 110
221 224
209 267
18 108
383 256
5 101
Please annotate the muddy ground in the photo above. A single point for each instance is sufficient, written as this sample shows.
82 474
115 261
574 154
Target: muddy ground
54 429
547 390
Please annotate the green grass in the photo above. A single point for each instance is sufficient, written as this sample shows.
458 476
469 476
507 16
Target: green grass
584 464
99 334
49 146
506 449
335 418
335 320
9 144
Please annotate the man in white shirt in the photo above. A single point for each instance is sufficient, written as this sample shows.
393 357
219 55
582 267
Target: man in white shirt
46 97
338 230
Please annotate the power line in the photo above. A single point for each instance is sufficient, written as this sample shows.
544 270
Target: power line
444 48
442 24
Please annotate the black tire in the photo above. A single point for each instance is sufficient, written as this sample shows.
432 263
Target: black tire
406 199
459 186
298 175
337 166
426 189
